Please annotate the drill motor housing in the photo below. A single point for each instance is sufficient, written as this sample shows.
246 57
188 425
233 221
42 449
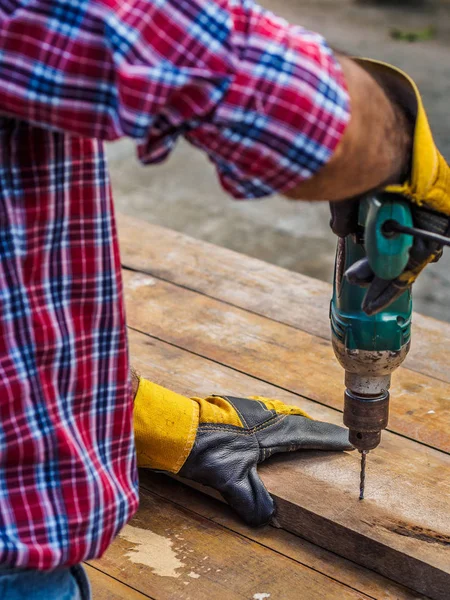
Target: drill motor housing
370 348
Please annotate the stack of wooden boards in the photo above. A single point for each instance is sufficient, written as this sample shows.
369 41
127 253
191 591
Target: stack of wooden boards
205 320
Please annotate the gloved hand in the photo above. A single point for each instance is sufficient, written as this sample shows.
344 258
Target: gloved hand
218 441
427 187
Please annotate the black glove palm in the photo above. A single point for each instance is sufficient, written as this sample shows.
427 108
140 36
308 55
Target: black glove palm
225 457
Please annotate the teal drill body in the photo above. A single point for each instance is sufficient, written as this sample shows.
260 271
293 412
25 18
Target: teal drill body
370 348
391 328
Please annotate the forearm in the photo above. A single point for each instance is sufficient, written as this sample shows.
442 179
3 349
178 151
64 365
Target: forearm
375 149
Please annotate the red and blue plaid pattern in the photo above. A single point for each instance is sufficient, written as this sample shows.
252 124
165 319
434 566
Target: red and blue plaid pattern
265 100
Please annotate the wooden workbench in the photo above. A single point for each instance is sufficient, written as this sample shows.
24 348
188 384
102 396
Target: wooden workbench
204 320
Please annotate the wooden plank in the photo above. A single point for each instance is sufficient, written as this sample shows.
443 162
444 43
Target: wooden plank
167 552
279 354
328 563
105 587
401 530
265 289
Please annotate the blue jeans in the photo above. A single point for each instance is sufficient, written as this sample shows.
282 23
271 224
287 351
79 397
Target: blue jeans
65 583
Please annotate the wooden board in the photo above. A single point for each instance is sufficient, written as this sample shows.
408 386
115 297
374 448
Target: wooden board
402 529
264 289
105 587
168 553
282 542
278 354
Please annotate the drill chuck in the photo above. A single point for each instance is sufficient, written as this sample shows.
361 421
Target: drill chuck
366 416
371 347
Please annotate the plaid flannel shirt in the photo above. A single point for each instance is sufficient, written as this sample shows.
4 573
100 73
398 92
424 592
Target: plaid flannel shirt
265 100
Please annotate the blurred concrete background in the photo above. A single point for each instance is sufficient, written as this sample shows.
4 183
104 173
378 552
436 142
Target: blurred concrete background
183 193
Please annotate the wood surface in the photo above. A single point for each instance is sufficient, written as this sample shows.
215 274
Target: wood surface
264 289
207 562
282 542
105 587
278 354
401 530
208 320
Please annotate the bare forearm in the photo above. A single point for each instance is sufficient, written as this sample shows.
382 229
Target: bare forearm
375 149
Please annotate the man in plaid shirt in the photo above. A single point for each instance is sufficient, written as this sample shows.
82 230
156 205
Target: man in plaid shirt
270 104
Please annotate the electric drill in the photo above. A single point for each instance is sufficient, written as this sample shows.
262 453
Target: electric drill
370 348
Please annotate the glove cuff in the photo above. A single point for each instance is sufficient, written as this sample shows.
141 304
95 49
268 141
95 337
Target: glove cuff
165 427
428 183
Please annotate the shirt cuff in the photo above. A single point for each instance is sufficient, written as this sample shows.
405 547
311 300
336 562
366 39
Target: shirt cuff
282 116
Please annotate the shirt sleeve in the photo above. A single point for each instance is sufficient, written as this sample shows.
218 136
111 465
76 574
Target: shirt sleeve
264 99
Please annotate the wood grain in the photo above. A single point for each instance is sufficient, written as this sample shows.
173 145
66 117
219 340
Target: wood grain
281 541
401 530
105 587
210 561
265 289
278 354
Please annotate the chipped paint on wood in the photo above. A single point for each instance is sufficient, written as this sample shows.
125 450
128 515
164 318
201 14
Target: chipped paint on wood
153 550
139 280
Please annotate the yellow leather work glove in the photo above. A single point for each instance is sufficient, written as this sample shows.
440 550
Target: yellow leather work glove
218 441
427 187
428 184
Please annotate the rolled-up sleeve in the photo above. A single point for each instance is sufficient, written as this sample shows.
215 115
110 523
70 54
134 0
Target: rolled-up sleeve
264 99
285 110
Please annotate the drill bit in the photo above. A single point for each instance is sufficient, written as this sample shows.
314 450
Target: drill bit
362 478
